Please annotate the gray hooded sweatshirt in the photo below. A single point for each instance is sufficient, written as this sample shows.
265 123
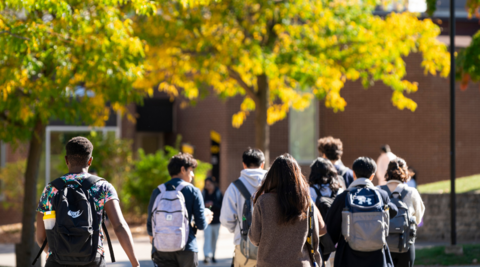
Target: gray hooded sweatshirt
232 207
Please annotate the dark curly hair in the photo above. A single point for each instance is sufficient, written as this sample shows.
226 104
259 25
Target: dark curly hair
79 151
181 160
397 170
331 147
322 171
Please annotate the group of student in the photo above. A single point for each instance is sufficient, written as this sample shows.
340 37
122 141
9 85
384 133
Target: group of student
335 217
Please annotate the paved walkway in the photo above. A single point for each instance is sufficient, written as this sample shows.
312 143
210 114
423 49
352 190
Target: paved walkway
143 248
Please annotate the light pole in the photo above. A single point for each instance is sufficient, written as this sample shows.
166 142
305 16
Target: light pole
452 125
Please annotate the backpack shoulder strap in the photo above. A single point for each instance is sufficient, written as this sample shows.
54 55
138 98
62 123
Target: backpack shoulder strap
243 190
87 183
58 183
181 186
403 194
385 188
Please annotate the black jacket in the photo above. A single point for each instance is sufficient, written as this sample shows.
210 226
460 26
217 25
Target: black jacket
217 199
345 256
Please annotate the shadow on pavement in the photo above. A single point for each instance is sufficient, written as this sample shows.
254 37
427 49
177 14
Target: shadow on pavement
220 263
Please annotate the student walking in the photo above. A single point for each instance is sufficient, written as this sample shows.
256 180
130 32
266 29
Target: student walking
383 160
332 149
366 246
286 225
75 202
236 213
411 210
213 200
325 185
171 208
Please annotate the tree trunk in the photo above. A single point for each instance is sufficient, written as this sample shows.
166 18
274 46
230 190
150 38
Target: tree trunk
262 129
25 250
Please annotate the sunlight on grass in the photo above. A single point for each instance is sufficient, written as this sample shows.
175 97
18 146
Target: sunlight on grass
462 185
437 256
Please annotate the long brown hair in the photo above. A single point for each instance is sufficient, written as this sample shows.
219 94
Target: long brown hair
286 179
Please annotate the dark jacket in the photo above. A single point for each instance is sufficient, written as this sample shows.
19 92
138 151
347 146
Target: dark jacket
195 207
346 173
345 256
217 199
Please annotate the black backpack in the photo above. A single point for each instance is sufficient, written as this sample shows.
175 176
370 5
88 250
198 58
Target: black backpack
75 236
323 204
246 247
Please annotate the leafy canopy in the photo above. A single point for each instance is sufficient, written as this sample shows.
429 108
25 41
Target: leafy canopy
65 59
305 48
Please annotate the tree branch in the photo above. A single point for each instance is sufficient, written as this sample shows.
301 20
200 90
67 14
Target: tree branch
248 89
4 117
16 35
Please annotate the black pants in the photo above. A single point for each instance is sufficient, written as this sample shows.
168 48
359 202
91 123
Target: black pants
404 259
98 262
175 259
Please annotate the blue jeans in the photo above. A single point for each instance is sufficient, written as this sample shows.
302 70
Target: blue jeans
211 237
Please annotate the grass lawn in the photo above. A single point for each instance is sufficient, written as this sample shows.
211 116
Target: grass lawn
462 185
437 256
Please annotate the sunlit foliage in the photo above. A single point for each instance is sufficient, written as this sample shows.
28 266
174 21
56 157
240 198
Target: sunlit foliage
65 60
305 48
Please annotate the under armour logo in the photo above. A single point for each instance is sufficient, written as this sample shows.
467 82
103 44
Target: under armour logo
363 199
74 214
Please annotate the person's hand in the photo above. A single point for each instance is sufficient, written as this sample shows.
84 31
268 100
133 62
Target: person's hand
208 216
208 204
151 239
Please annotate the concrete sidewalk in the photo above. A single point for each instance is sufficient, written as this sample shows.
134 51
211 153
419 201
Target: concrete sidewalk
143 250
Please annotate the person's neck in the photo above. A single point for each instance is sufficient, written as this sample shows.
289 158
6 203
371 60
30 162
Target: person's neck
334 162
211 191
78 170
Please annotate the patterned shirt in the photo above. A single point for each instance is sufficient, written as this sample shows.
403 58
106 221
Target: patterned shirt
102 192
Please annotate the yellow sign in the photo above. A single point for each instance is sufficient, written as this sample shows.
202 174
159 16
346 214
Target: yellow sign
215 136
214 149
186 148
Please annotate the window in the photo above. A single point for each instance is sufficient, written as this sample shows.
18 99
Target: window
303 133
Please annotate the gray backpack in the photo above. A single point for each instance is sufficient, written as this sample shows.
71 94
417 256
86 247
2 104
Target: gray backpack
365 219
170 219
246 247
403 226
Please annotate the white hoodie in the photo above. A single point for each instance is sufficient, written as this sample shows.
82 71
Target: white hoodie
233 201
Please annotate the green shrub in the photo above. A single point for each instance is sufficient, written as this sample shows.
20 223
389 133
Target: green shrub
13 181
149 172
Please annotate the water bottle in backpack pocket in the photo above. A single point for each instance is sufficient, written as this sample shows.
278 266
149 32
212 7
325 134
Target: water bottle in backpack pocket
365 220
170 220
403 226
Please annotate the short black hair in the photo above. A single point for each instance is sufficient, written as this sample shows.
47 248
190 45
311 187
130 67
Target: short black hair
386 148
253 158
364 167
79 151
181 160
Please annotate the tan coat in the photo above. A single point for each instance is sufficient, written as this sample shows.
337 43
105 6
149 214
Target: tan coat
282 245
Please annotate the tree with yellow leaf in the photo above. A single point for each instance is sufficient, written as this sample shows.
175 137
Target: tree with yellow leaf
282 54
63 60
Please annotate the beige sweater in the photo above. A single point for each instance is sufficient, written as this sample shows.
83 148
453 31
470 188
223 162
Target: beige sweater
282 245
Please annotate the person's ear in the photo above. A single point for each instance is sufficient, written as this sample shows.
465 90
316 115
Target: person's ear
182 170
262 166
90 161
371 177
354 176
66 160
244 166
